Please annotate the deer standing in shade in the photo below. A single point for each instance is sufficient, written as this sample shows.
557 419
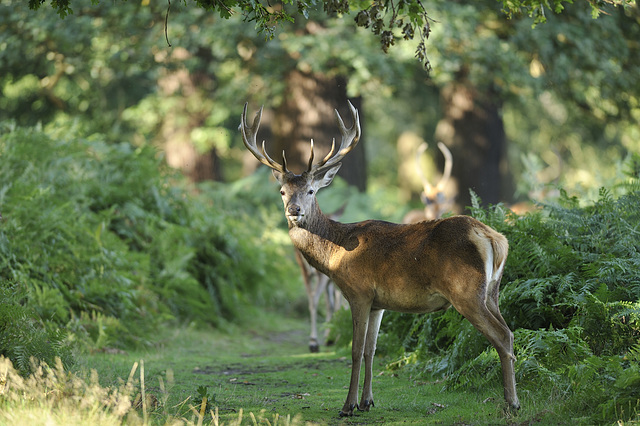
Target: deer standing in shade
416 268
316 284
435 201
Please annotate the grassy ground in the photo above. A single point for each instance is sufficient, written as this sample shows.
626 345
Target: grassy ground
261 373
266 371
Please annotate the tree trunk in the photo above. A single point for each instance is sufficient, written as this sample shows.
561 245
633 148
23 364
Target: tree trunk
307 112
182 154
473 130
189 89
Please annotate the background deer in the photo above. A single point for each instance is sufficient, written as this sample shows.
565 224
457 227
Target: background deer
318 284
416 268
435 201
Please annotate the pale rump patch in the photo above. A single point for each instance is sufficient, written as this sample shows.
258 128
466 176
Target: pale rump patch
492 247
485 249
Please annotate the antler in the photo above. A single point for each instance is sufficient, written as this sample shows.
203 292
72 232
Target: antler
448 164
249 139
350 138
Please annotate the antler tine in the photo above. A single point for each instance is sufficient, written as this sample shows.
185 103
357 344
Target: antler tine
273 163
310 167
448 164
250 142
331 151
249 134
351 135
350 138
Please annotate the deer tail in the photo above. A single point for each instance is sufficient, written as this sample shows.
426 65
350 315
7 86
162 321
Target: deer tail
500 247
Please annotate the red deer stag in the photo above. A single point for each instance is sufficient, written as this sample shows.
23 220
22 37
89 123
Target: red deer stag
417 268
434 198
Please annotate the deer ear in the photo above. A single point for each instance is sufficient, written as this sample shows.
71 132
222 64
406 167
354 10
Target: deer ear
279 176
328 176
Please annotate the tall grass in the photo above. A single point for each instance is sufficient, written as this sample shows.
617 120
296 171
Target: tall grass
52 396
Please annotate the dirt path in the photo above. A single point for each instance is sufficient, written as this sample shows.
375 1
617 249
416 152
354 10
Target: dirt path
268 370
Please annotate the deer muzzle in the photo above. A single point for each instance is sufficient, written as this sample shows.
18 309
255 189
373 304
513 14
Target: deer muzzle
294 212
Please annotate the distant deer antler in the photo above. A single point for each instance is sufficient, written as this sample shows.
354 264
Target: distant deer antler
448 164
416 268
435 201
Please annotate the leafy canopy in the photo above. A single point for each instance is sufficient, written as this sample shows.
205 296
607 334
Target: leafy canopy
390 20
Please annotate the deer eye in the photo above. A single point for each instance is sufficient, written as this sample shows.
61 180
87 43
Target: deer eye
310 192
281 192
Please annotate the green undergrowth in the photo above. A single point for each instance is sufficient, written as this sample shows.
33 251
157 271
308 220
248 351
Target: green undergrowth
571 294
102 244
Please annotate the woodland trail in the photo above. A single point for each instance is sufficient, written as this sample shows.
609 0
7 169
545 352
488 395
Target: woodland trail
266 369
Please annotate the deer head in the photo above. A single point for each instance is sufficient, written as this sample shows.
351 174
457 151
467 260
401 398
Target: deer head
299 191
435 201
433 197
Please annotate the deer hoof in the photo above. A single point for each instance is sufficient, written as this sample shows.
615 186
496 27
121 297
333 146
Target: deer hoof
314 348
349 412
366 404
511 408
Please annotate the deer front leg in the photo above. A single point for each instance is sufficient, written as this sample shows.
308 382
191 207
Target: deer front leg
360 319
375 318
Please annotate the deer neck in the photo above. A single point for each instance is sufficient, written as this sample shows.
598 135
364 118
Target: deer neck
317 238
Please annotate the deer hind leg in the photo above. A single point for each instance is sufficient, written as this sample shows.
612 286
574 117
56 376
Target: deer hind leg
330 305
493 290
313 318
330 300
312 298
485 316
508 364
375 318
314 293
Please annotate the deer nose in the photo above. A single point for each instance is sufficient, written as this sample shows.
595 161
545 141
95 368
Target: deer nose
293 210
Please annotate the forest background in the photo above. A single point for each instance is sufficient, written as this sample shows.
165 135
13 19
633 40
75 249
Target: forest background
129 201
